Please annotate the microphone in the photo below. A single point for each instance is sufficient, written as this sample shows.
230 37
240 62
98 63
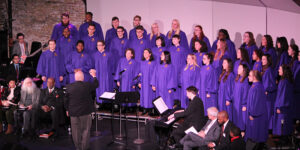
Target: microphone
135 78
122 71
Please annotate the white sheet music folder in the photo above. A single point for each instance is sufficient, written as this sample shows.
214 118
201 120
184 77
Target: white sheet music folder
108 95
191 129
160 105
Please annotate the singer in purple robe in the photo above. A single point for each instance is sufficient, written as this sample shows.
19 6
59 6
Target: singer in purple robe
257 122
79 61
267 48
136 22
147 67
223 35
83 29
154 34
282 47
199 49
176 31
249 44
139 43
102 62
283 123
297 89
50 65
58 29
220 55
293 52
225 93
199 35
189 77
160 46
90 40
66 44
242 58
269 82
112 32
256 56
240 93
208 83
164 80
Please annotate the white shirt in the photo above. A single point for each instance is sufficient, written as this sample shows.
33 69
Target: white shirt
22 48
209 126
51 90
11 94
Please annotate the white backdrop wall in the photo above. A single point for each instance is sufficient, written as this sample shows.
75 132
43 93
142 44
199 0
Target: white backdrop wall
211 15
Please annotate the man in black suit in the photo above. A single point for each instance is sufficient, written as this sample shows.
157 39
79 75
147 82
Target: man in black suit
16 69
79 104
193 115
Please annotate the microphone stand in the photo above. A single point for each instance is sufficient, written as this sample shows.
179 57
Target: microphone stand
138 140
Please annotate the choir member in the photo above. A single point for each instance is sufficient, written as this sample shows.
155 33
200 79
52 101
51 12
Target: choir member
189 77
154 34
50 65
226 86
220 55
256 56
160 46
66 44
208 82
20 48
268 48
257 122
83 29
282 47
176 30
103 65
79 60
164 80
147 67
139 43
112 32
269 82
136 22
293 52
65 23
223 35
240 93
249 44
90 40
199 49
199 35
297 90
242 58
284 101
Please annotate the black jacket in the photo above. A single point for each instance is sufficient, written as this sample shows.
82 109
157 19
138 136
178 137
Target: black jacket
11 71
79 100
53 99
16 98
237 144
225 138
194 114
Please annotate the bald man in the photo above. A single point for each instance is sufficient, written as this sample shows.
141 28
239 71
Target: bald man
79 104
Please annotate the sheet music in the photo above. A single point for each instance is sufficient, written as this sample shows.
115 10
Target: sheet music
108 95
11 103
170 121
191 129
160 105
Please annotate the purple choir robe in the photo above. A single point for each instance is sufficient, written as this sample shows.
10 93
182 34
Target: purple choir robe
81 61
50 65
297 91
139 45
225 93
58 29
240 94
257 66
111 34
102 64
250 50
231 49
208 85
283 59
153 40
271 52
147 94
84 32
205 39
183 40
164 79
284 101
90 43
156 51
189 77
218 64
199 57
132 34
117 49
236 66
257 129
269 82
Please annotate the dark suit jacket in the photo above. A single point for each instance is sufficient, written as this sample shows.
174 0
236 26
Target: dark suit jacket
237 144
224 140
11 71
16 98
213 133
17 49
79 100
194 114
54 99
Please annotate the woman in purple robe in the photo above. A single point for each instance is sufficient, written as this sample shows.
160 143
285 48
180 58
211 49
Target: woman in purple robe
176 31
269 82
160 46
199 49
220 55
199 35
297 90
154 34
256 56
147 67
164 80
268 48
225 93
189 77
283 105
223 35
293 52
249 44
240 94
282 47
257 122
242 58
208 83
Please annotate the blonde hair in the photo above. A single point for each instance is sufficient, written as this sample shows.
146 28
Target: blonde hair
152 34
177 30
194 58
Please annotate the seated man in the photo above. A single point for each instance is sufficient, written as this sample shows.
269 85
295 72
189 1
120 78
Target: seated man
10 99
16 68
51 104
209 133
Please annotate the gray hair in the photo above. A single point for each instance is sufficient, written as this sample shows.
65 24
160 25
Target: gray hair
213 111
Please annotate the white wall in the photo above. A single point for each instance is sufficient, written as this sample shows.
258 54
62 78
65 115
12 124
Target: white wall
212 15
